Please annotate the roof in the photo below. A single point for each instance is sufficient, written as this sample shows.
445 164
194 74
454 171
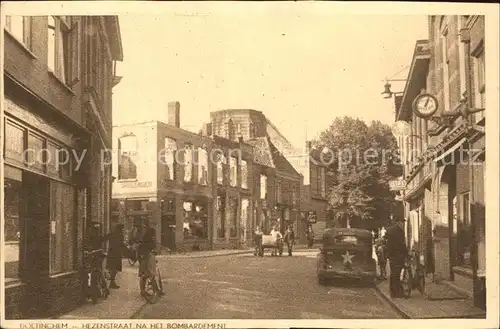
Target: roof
266 154
416 79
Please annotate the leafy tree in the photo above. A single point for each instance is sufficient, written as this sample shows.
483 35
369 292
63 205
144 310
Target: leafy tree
361 162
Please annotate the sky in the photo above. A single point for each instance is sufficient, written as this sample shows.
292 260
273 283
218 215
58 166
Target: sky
300 68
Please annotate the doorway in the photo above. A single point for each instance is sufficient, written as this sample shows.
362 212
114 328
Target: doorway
168 231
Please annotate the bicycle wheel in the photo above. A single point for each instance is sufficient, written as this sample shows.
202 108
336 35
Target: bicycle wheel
160 283
150 288
406 281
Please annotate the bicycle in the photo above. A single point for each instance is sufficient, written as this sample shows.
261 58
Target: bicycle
132 255
152 286
412 275
97 286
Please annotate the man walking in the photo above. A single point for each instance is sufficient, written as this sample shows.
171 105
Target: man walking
397 253
289 239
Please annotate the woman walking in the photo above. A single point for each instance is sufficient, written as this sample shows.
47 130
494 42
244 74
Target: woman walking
116 246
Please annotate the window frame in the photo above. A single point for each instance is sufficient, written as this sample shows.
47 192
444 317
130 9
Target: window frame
25 39
233 171
169 152
130 153
188 150
204 152
244 177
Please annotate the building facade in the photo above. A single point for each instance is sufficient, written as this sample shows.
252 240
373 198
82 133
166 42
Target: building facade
252 125
59 74
195 190
444 155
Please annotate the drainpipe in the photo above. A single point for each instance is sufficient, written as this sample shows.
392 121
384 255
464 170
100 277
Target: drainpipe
465 39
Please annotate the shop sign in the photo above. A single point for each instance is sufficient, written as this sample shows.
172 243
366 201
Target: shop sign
397 185
136 184
311 217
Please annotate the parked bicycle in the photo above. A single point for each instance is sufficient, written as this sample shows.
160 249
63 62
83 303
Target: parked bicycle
97 286
413 274
132 255
152 286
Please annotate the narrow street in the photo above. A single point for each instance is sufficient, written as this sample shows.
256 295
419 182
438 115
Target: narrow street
243 286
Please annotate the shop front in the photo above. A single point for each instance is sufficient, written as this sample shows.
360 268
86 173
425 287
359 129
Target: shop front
45 209
195 223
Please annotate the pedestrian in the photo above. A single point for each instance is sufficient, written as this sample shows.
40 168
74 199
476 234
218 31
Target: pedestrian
147 254
310 237
397 253
115 252
276 235
289 239
257 240
382 256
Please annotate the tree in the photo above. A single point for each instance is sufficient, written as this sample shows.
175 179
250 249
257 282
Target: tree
361 161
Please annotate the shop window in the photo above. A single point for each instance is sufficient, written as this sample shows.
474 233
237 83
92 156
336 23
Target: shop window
169 154
167 205
221 161
188 162
202 166
52 159
244 218
127 150
464 233
195 220
20 28
233 219
35 154
233 171
137 205
263 186
221 217
62 227
12 225
14 142
244 174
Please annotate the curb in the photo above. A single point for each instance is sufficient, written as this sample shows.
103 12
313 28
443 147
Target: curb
187 255
391 302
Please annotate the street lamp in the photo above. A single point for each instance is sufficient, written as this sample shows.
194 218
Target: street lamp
387 93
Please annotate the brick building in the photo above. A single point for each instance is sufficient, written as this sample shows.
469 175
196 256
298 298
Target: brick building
58 78
253 125
194 189
444 155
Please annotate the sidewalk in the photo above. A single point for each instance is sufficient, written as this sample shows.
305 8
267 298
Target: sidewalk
438 302
122 303
205 253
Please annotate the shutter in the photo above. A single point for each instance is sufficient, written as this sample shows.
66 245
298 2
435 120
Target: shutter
27 31
75 42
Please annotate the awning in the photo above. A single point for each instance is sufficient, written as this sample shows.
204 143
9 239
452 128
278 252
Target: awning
450 150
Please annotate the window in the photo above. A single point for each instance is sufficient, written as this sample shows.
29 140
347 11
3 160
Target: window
321 188
221 161
445 66
221 217
14 142
12 224
233 171
278 191
251 130
294 195
195 220
233 219
35 156
58 49
263 186
244 218
188 162
62 227
52 160
461 57
127 150
202 166
244 174
137 205
479 80
169 155
464 233
20 28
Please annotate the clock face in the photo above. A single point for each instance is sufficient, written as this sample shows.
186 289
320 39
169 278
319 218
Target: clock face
425 105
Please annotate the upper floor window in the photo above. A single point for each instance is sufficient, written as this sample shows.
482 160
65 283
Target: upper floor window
221 161
188 162
63 48
244 174
169 157
294 195
202 166
233 171
479 77
127 150
263 186
445 64
229 129
20 28
278 191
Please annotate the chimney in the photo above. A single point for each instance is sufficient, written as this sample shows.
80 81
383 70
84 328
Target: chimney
174 114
